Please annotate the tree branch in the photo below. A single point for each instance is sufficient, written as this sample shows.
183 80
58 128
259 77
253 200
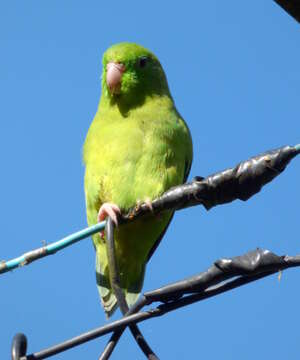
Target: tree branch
240 182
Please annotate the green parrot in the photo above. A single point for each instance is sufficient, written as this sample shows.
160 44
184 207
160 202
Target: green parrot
137 147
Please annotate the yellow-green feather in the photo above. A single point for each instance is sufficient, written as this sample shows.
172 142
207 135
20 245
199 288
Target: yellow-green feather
132 157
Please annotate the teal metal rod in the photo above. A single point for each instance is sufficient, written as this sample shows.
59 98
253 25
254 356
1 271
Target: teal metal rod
51 248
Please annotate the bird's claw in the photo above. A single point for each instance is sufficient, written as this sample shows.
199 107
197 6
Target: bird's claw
108 209
148 203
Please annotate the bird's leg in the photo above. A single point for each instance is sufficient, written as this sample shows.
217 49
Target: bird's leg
108 209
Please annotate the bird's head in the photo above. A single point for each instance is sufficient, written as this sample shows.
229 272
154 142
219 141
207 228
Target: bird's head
130 73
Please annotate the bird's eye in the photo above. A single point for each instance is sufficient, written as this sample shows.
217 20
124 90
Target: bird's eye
142 61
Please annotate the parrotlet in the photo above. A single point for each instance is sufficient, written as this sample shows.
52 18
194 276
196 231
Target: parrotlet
137 147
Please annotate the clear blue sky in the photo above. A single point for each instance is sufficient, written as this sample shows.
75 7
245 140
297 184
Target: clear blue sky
233 69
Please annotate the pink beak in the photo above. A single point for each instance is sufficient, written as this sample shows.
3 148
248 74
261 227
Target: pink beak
114 72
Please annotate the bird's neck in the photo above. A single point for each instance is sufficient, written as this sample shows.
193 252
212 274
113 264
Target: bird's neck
122 107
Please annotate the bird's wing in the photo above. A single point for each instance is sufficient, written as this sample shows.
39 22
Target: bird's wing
187 169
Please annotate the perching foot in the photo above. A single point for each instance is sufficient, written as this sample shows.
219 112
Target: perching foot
108 209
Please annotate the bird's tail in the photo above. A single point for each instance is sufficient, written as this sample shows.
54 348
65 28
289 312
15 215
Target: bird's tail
107 296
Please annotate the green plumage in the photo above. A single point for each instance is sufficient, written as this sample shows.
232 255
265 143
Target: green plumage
137 147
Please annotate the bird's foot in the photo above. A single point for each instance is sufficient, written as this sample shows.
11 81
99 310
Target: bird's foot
108 209
148 203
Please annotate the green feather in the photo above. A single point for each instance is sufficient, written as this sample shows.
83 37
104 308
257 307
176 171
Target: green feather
137 147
